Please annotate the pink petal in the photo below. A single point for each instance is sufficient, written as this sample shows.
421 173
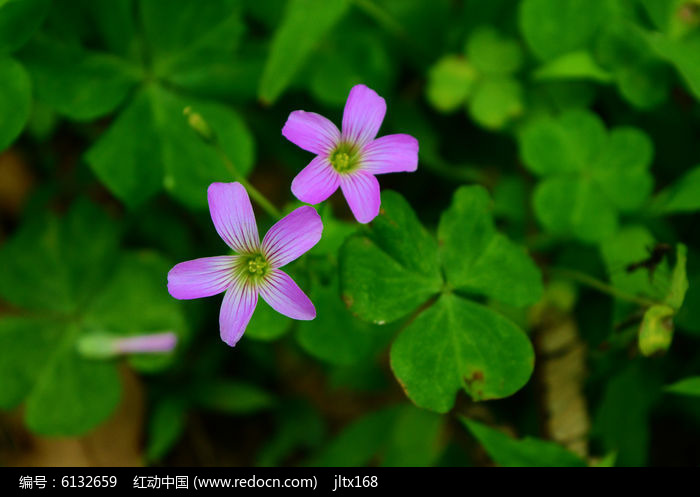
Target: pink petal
363 115
201 277
361 190
285 296
236 310
311 131
292 236
391 154
233 216
316 182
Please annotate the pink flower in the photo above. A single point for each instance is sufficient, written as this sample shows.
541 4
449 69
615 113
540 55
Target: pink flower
255 269
352 158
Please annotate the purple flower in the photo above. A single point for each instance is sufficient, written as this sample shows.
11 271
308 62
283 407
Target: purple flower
352 158
255 267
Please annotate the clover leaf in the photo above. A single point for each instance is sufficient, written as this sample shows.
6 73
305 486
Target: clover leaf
482 78
395 270
588 175
149 147
71 281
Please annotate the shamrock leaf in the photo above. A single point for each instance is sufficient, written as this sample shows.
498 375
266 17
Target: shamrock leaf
393 268
526 452
149 146
478 259
642 78
111 78
73 283
336 336
589 175
483 79
453 344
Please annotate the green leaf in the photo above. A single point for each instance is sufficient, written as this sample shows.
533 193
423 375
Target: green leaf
569 207
642 78
457 344
57 404
478 259
569 144
450 82
18 21
336 336
415 439
166 423
526 452
15 100
631 245
395 436
555 27
65 395
682 196
622 168
294 40
573 65
591 174
683 54
232 397
151 146
393 269
126 157
495 101
621 422
25 346
686 386
347 58
58 266
178 29
490 53
95 85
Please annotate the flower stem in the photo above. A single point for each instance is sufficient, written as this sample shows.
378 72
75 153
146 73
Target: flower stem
601 286
200 126
252 191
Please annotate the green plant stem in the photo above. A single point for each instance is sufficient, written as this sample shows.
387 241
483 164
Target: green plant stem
261 200
601 286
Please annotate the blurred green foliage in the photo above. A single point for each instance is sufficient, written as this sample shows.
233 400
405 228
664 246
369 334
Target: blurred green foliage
558 157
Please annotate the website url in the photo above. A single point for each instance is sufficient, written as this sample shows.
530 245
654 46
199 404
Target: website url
254 482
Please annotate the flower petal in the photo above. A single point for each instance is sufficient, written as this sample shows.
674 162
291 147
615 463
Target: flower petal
316 182
201 277
285 296
233 216
363 115
391 154
361 190
311 131
236 310
292 235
